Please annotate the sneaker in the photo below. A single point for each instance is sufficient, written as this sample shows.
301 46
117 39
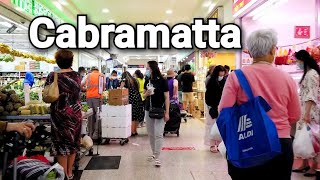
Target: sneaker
151 158
157 163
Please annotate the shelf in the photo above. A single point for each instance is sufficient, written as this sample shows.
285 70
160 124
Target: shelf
21 71
31 117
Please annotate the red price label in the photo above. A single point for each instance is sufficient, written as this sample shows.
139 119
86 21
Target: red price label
302 32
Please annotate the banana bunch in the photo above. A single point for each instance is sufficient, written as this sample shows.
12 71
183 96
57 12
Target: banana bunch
5 49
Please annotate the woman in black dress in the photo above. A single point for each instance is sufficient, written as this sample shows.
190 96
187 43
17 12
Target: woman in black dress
134 99
66 113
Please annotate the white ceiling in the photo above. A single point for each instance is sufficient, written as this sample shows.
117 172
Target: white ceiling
125 11
144 11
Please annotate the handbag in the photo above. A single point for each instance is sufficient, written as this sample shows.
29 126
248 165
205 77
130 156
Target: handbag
50 92
156 113
250 136
213 112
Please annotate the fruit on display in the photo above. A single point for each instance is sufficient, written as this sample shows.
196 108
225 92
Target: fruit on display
85 108
9 103
34 108
6 58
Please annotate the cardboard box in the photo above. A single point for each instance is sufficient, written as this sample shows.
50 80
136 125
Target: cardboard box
116 132
116 122
118 101
118 93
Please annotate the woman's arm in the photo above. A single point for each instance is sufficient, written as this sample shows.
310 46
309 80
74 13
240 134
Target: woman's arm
167 104
175 88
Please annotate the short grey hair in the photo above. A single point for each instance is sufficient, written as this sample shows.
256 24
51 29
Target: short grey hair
261 41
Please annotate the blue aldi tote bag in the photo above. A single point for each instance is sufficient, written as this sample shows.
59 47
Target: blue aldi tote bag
249 134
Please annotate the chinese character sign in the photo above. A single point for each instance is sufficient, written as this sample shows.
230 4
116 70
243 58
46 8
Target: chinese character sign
302 32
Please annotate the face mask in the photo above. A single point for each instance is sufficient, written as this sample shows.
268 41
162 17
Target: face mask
148 73
220 78
300 66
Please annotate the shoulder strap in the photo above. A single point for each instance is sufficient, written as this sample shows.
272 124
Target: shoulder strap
244 83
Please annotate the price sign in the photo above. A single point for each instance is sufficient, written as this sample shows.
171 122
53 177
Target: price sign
302 32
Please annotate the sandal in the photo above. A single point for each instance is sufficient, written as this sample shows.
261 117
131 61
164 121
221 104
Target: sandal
301 170
151 158
71 177
214 149
157 163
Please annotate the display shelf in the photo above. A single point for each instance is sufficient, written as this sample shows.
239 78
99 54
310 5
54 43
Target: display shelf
28 117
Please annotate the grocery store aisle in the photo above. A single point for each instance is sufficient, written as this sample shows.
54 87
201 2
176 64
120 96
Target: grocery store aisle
198 164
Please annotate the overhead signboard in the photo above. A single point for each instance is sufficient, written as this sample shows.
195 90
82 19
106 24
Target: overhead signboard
34 8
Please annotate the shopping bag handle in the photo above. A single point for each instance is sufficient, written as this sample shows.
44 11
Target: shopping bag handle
244 83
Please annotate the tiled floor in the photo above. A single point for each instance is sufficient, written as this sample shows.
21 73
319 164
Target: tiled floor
199 164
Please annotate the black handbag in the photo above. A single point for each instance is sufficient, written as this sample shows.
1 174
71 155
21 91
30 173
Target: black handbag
213 113
156 113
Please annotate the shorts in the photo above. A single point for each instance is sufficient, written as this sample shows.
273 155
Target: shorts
187 97
180 96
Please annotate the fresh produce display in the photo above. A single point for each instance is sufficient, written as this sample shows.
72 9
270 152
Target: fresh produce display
5 49
33 95
6 58
34 108
10 102
85 108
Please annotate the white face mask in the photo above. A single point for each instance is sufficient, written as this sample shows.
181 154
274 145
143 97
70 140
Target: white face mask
220 78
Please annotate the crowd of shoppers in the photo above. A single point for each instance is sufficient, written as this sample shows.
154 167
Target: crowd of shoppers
223 90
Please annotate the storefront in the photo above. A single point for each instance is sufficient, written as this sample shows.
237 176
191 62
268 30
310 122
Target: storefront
295 21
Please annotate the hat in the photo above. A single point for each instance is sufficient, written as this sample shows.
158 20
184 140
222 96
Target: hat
94 68
171 73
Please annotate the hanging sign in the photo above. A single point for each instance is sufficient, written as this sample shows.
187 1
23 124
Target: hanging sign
302 32
34 8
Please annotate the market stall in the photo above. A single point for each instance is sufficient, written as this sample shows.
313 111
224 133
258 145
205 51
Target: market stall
295 22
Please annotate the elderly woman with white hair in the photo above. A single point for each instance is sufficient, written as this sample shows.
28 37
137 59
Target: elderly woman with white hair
279 90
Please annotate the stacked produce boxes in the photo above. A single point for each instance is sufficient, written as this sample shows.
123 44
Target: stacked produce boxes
116 121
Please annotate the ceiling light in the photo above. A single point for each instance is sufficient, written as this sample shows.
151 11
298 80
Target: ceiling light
111 21
166 21
169 11
206 4
58 5
63 2
105 10
6 24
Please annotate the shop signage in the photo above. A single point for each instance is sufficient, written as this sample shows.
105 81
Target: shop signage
302 32
34 8
238 5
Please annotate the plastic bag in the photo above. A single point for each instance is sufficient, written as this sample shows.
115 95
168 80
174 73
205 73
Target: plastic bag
55 172
222 149
215 133
87 142
302 144
315 136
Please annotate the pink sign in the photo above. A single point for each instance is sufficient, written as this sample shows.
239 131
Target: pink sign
302 32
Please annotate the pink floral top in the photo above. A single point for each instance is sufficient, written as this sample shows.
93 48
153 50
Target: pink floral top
310 91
